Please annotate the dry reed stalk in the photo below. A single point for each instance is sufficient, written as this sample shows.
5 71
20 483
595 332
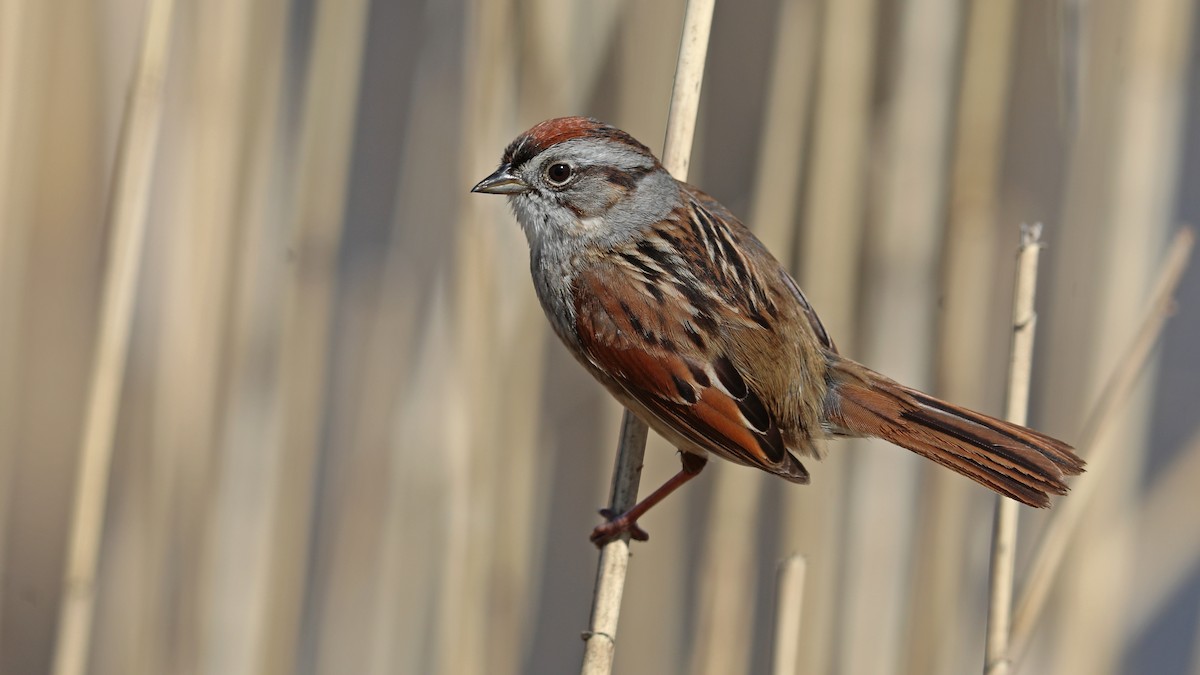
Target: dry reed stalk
645 46
900 301
831 241
1072 291
129 201
386 349
656 606
190 322
471 460
522 493
1004 534
395 637
235 563
70 137
415 486
1148 104
964 368
14 237
317 193
1072 60
1074 284
789 605
1164 526
827 259
1051 549
600 639
398 381
549 84
12 115
462 629
727 583
783 141
1196 651
685 91
375 484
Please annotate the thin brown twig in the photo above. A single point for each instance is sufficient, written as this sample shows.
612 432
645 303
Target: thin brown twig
600 639
1004 532
1048 556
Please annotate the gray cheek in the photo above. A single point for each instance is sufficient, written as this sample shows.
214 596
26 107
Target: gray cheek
594 196
651 201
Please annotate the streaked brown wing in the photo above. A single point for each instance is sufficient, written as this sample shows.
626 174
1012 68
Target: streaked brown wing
724 216
655 351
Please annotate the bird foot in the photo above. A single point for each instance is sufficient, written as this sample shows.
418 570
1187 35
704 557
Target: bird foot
616 526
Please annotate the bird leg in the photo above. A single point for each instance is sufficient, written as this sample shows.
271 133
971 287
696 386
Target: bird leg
619 525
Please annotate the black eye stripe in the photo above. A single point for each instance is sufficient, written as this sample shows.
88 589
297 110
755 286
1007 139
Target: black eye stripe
621 179
625 178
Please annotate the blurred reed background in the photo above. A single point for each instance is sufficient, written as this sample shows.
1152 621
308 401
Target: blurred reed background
344 442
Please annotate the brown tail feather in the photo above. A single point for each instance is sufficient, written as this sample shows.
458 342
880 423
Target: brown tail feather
1015 461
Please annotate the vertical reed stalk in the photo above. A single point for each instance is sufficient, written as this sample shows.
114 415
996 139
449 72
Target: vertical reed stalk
656 603
236 563
789 605
783 142
1147 93
968 333
471 462
833 211
727 584
1164 526
1004 535
1051 549
130 197
190 270
900 308
318 192
600 640
546 83
1196 651
14 236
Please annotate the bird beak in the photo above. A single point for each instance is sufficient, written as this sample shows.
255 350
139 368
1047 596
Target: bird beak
503 182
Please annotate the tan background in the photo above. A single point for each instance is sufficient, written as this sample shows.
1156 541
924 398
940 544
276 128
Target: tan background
347 443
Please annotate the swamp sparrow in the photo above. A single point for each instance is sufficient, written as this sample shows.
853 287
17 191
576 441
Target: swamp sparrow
686 318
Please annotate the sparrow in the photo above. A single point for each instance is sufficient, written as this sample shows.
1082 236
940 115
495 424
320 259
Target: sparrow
685 317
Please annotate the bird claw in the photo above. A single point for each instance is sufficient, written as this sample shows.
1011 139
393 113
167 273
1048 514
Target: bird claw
616 526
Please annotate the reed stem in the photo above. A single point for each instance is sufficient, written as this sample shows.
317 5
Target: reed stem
1004 532
1051 549
789 603
132 177
600 639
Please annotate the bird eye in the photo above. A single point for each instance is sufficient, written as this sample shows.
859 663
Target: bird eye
559 173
